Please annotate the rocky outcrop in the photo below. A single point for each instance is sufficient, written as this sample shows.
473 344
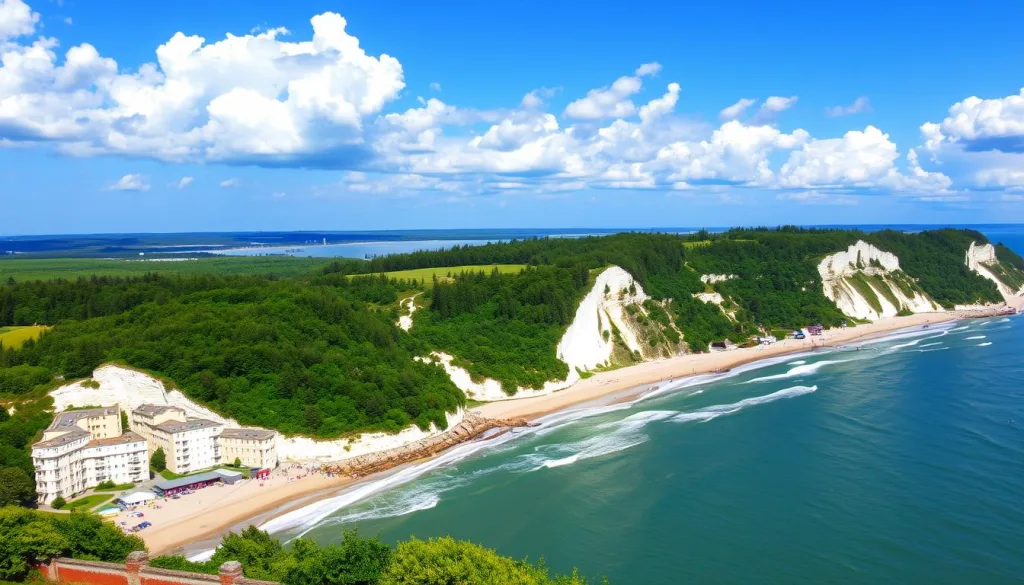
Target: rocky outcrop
982 260
713 278
471 426
409 304
867 283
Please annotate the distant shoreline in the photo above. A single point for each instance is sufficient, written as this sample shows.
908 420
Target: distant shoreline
676 368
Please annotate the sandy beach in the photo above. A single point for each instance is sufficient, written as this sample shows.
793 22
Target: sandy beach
212 510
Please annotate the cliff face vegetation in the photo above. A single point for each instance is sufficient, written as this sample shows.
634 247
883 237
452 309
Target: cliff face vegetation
867 283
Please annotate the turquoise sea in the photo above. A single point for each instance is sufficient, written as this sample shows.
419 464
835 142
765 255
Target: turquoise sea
901 462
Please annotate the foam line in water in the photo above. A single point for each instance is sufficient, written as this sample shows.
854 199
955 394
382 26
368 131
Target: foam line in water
701 379
803 370
907 344
711 412
941 329
402 505
934 343
986 344
974 337
614 436
797 363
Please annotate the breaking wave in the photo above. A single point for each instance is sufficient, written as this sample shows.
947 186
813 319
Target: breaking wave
986 344
311 515
931 344
712 412
398 505
975 337
802 370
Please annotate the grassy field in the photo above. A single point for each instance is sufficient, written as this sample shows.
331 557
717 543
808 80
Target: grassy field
446 272
17 336
26 269
88 502
697 244
117 488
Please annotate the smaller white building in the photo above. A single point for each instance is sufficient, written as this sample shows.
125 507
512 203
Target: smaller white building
253 447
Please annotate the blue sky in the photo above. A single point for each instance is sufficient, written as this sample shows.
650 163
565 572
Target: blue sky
528 114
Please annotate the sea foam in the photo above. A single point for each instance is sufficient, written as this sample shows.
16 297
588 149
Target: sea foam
712 412
802 370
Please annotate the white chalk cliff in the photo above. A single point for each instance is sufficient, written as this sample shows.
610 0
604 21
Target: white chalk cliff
861 260
131 388
588 343
982 260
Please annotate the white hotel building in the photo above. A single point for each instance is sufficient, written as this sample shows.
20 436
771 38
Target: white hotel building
189 444
83 448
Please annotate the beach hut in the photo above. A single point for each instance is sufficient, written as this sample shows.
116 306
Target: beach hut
229 476
136 498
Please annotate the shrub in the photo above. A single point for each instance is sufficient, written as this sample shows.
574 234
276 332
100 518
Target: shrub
158 460
58 502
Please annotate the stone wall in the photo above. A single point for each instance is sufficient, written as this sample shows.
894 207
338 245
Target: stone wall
136 571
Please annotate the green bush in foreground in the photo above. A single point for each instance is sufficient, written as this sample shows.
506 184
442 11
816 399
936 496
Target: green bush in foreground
28 537
440 561
358 560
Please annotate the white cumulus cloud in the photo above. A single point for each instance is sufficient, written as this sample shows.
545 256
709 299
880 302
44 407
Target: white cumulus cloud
129 182
251 98
612 101
185 182
16 19
736 110
859 105
230 183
